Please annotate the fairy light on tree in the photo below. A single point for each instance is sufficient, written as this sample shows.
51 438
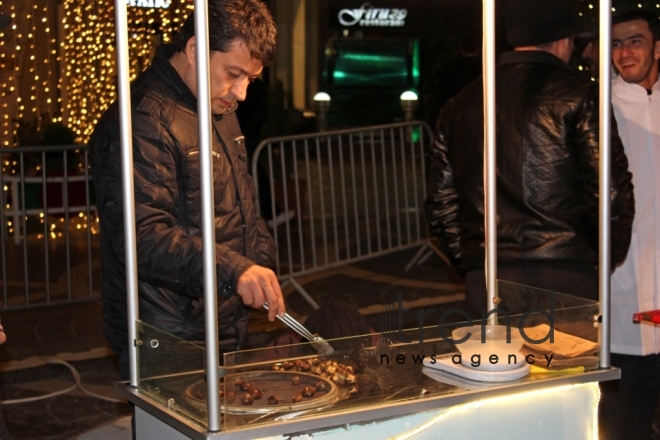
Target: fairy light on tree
57 59
89 50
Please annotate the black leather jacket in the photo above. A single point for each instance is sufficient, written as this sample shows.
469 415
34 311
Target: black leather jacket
547 169
168 212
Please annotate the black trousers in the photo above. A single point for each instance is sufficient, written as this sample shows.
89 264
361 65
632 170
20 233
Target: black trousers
628 405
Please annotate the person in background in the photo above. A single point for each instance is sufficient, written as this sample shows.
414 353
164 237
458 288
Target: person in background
629 404
452 77
588 42
547 166
166 171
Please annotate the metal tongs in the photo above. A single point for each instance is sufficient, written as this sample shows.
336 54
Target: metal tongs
319 344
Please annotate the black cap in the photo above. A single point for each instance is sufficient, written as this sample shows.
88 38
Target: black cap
533 22
590 31
4 21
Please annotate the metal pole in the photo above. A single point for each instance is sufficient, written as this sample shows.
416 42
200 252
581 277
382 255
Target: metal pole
604 212
490 164
126 131
208 220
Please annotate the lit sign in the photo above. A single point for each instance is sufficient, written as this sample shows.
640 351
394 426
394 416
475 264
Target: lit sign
159 4
366 15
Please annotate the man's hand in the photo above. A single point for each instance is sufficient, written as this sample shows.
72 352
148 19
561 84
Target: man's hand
259 285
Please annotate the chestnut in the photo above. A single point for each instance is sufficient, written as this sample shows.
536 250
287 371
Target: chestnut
246 399
230 396
287 365
295 380
308 392
273 400
244 386
239 382
297 399
255 393
320 386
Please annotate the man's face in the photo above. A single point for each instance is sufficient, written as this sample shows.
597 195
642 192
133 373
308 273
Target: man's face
590 56
634 53
230 74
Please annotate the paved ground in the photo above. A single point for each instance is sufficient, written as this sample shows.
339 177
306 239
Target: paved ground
48 347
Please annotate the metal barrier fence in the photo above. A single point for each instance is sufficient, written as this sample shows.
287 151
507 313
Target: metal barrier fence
353 194
48 226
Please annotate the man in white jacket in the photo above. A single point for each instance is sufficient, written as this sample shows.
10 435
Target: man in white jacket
628 405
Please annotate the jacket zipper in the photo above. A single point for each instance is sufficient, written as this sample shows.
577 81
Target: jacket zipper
238 195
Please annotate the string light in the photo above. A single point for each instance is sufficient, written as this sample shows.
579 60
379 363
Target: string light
89 52
58 64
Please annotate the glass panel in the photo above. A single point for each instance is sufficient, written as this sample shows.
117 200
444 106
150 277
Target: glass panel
168 369
311 379
574 336
297 381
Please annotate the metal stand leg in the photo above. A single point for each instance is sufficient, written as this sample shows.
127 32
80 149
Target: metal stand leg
300 289
424 253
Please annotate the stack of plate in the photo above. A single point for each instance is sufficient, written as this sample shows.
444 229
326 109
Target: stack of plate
484 372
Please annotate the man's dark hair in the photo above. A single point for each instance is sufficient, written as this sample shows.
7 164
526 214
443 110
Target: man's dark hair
640 14
249 21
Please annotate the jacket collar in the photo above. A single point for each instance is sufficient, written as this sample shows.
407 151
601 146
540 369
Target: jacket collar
164 69
531 56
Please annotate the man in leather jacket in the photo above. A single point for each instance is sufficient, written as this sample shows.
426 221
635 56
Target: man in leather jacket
547 165
166 171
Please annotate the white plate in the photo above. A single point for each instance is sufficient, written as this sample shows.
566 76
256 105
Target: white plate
502 364
447 365
452 379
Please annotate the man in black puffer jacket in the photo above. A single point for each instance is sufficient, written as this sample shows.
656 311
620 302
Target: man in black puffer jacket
242 37
547 165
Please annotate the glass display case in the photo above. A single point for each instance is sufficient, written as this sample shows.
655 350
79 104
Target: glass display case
368 377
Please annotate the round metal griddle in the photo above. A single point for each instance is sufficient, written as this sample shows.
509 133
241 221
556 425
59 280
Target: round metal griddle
270 383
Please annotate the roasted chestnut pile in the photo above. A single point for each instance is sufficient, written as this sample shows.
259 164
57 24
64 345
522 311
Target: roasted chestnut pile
338 373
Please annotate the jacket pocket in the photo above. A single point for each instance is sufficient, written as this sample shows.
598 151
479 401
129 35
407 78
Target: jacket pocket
193 181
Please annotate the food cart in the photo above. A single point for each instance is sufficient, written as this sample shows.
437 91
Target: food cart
380 387
400 384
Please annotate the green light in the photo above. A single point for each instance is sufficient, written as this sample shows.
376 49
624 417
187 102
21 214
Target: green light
371 58
415 61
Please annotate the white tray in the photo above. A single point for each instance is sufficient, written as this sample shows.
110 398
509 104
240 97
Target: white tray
473 373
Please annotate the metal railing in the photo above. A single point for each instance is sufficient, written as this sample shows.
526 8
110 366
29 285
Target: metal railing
48 224
354 194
